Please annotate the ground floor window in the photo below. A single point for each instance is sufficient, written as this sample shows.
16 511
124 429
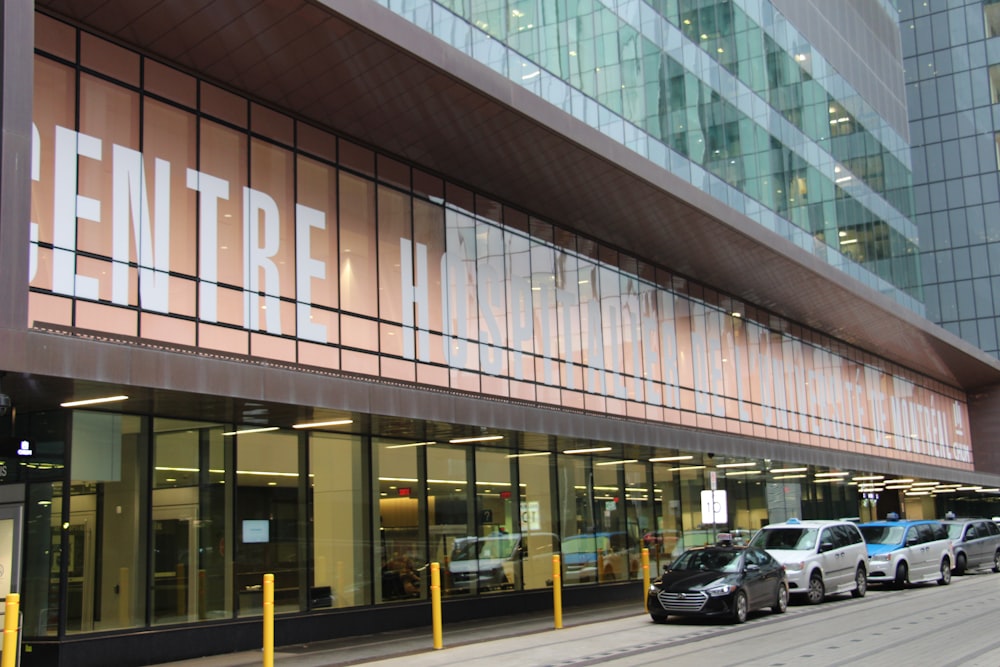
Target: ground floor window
139 521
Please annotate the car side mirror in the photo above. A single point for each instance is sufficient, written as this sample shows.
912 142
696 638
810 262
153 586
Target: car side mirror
826 546
752 567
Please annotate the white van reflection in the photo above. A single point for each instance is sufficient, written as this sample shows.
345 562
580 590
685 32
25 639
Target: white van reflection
492 562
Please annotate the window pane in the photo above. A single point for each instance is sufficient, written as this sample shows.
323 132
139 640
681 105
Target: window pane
341 573
106 572
398 521
190 573
267 521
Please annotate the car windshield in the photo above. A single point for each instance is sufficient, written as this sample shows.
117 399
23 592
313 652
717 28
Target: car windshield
882 534
794 539
717 560
484 547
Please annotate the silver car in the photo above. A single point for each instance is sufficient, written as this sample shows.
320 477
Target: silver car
976 543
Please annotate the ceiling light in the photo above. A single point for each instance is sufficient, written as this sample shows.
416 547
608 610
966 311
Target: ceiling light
93 401
336 422
589 450
744 464
778 470
789 476
481 438
411 444
831 474
869 478
523 456
616 463
686 457
262 429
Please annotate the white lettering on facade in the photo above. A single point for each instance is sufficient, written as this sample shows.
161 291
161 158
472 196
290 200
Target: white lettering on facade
627 335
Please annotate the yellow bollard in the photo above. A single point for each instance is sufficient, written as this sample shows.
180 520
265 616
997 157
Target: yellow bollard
645 579
557 589
268 620
436 603
11 611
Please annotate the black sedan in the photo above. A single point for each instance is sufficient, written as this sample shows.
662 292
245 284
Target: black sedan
724 581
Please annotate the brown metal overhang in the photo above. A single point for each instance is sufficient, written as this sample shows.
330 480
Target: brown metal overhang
366 73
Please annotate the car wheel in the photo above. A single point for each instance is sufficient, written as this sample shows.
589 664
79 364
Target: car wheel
945 573
860 583
902 575
741 607
960 564
816 591
659 619
781 604
996 562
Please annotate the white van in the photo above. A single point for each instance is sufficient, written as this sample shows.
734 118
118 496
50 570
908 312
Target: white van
903 552
821 557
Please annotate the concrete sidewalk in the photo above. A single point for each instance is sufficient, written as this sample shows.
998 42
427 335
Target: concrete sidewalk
379 646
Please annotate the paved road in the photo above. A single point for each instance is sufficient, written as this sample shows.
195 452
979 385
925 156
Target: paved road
923 625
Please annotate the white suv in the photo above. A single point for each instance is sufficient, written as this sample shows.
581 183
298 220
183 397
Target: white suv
821 557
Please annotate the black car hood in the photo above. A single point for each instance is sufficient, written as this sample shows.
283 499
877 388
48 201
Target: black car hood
686 580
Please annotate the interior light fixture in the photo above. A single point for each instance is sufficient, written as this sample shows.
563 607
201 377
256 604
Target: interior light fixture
263 429
527 454
481 438
831 474
734 473
781 470
335 422
93 401
869 478
827 480
788 476
686 457
744 464
411 444
616 463
589 450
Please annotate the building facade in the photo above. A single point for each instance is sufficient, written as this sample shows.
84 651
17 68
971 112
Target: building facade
952 60
336 290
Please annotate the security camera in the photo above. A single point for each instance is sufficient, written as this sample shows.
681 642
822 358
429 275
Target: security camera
4 404
711 455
